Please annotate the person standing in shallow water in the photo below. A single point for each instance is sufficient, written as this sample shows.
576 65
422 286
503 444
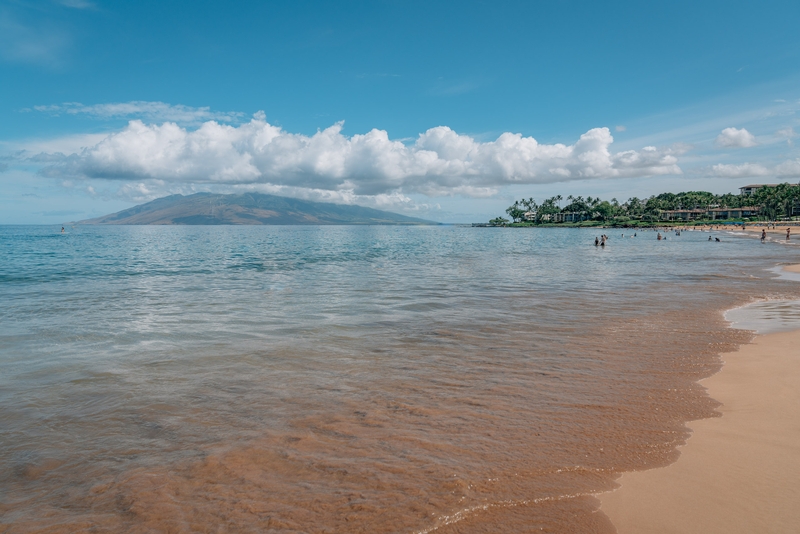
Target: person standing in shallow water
788 231
596 241
763 234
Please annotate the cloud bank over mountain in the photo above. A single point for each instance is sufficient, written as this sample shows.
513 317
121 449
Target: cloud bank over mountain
439 162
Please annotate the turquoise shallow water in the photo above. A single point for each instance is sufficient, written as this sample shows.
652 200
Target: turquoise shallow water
375 379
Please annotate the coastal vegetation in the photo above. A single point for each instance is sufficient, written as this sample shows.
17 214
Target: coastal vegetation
763 202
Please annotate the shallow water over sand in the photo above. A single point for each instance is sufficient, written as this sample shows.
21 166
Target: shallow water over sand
766 316
352 379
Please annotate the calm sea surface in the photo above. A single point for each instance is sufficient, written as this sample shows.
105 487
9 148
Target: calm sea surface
353 379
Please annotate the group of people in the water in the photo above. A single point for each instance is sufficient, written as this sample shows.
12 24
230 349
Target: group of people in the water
764 233
663 237
601 240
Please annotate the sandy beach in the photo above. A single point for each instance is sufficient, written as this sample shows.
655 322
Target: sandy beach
753 228
738 472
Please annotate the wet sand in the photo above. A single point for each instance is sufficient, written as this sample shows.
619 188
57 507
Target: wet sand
792 268
738 472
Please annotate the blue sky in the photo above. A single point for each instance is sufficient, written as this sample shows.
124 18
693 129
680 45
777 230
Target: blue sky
445 110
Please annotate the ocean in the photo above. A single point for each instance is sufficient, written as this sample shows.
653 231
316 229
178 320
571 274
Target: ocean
371 379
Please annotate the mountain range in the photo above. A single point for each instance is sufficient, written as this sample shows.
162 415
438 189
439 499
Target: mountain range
249 208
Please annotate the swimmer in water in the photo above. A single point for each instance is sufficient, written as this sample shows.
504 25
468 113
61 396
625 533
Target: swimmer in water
62 229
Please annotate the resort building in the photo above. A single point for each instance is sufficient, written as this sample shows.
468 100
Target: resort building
683 215
711 213
752 188
732 213
573 216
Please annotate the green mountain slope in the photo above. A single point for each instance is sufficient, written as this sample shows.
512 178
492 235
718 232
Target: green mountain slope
249 208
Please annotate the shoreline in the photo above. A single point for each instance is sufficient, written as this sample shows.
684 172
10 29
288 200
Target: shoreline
737 472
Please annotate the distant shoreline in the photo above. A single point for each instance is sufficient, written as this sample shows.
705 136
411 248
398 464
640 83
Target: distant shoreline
644 226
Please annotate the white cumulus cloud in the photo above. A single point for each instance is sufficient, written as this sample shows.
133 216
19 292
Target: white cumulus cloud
739 171
440 161
788 169
735 138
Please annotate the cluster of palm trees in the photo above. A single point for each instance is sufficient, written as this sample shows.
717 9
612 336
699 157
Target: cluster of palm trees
593 207
773 202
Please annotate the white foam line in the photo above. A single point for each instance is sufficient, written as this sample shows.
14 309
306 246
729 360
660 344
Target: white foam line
786 275
455 517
